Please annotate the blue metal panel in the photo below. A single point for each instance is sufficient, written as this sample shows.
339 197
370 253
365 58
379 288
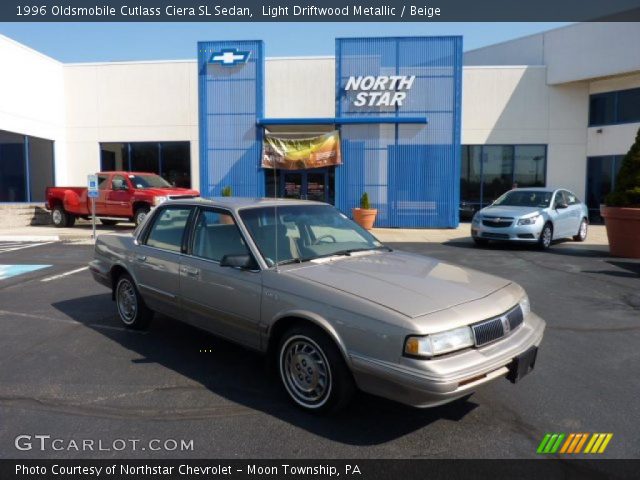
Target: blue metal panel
231 99
411 171
341 120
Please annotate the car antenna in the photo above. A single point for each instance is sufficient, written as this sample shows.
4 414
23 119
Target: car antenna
275 210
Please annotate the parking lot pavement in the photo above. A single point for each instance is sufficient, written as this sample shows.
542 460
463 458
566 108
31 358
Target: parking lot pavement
67 369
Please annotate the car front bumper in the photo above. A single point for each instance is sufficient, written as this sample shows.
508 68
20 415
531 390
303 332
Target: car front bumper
429 383
513 233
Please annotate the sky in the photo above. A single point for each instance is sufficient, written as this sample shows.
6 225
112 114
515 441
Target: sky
101 42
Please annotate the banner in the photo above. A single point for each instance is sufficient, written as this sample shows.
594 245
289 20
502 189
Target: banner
301 153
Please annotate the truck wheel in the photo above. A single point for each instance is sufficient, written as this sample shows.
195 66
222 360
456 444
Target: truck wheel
132 310
313 371
59 217
140 214
71 220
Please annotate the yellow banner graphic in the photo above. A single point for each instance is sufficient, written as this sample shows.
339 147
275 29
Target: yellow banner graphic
301 153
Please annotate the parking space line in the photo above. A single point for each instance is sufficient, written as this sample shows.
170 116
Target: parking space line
119 329
13 246
70 272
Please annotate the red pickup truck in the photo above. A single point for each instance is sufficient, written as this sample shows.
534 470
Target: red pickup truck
123 196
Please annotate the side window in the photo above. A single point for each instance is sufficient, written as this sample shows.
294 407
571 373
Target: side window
168 229
559 199
102 182
118 183
216 235
571 198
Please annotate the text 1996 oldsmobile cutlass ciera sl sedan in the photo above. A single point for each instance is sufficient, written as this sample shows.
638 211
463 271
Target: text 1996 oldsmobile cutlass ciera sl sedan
332 306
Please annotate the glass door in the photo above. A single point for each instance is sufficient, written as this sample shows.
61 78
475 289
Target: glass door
305 184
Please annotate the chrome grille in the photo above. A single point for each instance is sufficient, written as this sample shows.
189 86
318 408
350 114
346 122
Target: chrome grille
496 328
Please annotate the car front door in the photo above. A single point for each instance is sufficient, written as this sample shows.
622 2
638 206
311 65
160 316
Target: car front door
562 220
156 260
104 187
575 213
118 198
222 300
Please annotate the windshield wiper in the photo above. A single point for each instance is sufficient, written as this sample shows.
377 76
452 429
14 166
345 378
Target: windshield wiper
290 260
348 252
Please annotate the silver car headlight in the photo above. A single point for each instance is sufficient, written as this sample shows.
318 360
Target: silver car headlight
476 218
525 306
529 220
439 343
159 200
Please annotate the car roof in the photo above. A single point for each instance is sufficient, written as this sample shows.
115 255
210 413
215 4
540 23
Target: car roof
237 203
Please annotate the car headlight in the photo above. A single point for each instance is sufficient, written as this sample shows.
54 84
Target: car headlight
159 200
476 218
525 306
439 343
529 220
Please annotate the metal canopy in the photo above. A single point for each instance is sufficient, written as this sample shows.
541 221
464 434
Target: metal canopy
341 120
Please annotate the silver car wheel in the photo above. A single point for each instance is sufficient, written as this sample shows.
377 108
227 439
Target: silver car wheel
127 301
140 216
546 236
583 230
305 372
56 217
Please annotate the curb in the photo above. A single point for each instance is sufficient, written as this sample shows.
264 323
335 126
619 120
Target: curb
29 238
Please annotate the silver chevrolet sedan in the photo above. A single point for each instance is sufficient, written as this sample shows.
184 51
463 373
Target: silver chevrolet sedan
532 215
332 307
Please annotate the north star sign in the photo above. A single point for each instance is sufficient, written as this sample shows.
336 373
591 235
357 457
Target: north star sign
383 90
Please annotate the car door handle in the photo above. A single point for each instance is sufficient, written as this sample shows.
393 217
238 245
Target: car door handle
141 258
191 271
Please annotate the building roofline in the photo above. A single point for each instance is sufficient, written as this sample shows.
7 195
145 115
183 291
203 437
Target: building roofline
29 49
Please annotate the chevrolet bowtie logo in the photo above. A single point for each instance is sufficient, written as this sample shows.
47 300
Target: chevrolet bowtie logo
229 57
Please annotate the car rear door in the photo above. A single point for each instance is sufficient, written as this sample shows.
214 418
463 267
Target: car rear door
156 259
222 300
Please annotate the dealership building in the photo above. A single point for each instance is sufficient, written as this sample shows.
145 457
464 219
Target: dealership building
424 128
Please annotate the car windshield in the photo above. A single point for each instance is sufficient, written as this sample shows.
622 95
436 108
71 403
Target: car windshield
299 233
525 198
148 181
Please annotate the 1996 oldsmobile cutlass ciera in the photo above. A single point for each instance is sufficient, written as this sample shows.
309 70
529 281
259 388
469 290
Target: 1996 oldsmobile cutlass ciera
333 307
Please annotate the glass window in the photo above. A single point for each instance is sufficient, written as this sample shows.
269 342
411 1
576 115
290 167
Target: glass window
148 181
13 171
497 171
530 165
102 182
470 175
118 182
629 106
40 167
114 157
525 198
602 109
601 176
145 157
217 235
176 163
571 198
168 228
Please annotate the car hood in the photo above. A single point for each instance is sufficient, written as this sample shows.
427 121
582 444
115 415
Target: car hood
507 211
413 285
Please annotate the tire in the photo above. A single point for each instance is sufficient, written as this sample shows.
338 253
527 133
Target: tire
140 214
582 231
59 217
132 310
480 242
546 236
71 220
108 223
305 356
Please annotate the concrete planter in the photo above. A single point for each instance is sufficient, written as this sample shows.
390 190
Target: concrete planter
365 217
623 230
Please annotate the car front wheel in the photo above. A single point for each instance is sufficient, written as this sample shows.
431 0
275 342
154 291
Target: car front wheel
131 307
546 236
140 214
312 370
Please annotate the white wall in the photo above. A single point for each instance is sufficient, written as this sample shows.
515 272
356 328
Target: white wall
31 100
122 102
300 87
514 105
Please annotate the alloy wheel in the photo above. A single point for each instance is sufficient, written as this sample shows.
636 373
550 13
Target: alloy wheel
127 301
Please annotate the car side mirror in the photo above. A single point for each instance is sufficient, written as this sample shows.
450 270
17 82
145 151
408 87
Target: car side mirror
244 261
560 206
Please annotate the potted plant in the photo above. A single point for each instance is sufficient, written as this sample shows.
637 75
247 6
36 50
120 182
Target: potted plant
365 216
621 211
226 191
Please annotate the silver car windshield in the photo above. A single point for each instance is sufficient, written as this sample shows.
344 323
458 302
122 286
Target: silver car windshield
298 233
525 198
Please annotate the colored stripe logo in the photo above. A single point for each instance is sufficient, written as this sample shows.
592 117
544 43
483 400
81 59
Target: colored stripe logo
573 443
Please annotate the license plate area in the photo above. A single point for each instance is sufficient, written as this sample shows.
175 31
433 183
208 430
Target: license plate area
522 365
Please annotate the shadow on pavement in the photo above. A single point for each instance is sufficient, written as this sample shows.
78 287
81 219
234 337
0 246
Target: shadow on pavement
242 376
560 247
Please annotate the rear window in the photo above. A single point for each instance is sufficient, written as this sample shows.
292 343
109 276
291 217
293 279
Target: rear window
168 229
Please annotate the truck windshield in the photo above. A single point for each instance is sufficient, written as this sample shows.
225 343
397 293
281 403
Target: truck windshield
299 233
149 181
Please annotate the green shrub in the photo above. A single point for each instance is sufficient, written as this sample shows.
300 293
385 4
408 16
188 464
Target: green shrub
364 201
226 191
627 191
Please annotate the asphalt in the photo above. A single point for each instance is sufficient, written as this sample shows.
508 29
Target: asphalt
67 369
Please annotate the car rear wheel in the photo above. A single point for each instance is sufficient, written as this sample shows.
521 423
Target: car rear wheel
480 242
140 214
59 217
313 371
546 236
131 307
582 231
